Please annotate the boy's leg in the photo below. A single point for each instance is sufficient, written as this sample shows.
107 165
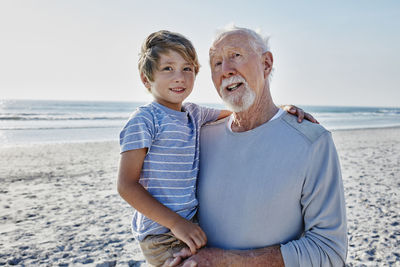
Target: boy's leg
158 248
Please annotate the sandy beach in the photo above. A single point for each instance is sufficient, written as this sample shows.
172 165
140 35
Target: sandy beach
59 205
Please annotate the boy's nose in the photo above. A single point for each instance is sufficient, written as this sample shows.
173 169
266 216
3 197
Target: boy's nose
179 77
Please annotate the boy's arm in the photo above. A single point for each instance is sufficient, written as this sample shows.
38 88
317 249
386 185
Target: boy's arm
137 196
224 113
296 111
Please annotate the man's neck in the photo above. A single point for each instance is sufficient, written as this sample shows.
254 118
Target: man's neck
259 113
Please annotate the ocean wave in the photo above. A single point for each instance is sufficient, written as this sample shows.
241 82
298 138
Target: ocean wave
47 117
389 111
357 114
58 128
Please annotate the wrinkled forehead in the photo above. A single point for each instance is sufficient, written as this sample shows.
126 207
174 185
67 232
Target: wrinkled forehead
232 40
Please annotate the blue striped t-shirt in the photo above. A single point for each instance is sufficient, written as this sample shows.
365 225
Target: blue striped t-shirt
170 167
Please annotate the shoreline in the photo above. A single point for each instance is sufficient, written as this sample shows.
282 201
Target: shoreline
367 128
60 206
45 143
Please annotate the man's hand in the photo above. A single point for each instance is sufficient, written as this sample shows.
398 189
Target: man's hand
191 234
178 258
292 109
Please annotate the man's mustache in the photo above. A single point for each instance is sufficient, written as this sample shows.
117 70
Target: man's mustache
231 80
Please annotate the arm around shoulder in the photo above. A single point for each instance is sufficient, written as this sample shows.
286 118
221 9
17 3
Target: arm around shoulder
224 113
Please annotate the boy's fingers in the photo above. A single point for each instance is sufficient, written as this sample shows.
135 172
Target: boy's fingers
198 241
202 236
191 245
310 118
184 253
203 239
301 114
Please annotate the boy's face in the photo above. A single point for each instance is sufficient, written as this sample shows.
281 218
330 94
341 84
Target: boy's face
173 80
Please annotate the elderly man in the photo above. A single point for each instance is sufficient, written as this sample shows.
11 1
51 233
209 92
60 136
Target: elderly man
270 189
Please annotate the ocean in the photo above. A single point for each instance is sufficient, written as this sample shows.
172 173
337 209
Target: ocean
41 121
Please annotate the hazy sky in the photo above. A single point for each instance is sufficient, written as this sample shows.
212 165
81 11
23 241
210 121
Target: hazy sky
325 52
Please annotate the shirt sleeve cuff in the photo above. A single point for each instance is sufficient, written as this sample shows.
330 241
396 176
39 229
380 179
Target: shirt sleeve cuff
289 255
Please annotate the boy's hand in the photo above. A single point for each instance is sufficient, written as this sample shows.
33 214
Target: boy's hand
296 111
191 234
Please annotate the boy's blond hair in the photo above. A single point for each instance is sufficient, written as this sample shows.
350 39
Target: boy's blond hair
162 42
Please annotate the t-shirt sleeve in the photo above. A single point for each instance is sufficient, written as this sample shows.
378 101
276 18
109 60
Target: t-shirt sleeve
325 240
138 132
208 114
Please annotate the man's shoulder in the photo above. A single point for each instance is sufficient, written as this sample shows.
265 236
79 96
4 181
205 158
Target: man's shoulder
214 130
310 131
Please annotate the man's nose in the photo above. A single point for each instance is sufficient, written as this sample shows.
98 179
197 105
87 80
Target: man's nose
227 69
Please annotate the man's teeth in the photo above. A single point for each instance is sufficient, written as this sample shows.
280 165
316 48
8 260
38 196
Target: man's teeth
233 86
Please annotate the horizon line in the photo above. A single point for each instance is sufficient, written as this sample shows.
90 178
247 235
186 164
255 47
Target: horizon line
198 102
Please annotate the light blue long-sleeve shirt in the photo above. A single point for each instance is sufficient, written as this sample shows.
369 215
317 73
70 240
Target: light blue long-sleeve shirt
279 183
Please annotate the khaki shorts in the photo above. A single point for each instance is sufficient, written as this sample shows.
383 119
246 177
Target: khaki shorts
158 248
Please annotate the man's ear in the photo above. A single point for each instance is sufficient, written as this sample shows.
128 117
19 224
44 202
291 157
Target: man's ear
145 81
268 61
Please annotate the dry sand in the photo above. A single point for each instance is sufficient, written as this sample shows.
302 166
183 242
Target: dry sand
59 204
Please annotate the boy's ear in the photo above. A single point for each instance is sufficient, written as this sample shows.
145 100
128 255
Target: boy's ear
145 81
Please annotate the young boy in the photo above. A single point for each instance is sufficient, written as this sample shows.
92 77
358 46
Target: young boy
160 150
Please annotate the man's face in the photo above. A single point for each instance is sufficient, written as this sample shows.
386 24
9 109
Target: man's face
237 70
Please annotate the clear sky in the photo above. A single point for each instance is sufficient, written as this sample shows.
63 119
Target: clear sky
325 52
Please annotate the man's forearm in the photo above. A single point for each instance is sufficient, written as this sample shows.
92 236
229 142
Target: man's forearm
268 257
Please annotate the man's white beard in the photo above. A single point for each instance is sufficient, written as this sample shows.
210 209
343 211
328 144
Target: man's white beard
237 102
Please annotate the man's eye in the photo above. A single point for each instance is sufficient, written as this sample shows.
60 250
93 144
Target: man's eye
237 55
217 63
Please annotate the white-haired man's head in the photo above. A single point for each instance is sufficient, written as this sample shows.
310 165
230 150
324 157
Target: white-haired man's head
232 50
259 42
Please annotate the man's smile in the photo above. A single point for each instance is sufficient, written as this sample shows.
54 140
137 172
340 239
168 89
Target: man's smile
233 87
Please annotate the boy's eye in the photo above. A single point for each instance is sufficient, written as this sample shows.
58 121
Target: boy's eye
188 69
167 68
